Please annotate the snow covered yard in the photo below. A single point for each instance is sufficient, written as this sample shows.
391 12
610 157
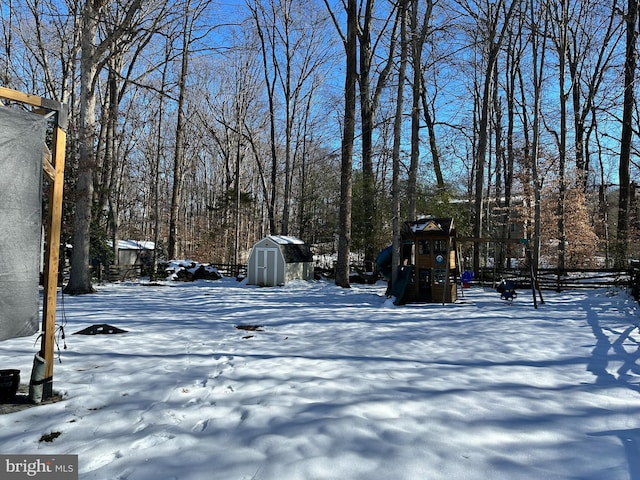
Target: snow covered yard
338 384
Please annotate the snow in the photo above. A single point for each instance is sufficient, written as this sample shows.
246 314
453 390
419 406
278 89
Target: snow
134 244
338 384
286 240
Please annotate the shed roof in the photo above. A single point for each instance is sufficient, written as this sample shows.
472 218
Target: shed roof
286 240
297 253
293 249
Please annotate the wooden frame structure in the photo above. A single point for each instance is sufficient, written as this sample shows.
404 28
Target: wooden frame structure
53 167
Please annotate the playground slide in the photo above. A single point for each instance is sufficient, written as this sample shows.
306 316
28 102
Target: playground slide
383 261
404 274
404 277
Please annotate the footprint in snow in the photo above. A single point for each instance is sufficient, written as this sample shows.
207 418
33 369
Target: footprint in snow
201 426
152 440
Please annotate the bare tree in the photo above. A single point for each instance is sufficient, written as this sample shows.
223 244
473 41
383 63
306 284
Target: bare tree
242 167
497 18
290 42
538 25
270 76
514 46
594 35
419 33
344 223
397 138
115 141
47 35
240 121
369 102
93 54
178 156
631 20
560 37
191 33
156 160
7 37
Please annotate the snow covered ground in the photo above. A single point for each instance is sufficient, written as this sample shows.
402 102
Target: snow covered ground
338 384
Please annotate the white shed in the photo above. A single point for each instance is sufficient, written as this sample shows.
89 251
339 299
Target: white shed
277 259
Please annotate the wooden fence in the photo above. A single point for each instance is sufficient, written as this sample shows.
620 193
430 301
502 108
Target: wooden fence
237 270
115 273
574 278
548 278
568 279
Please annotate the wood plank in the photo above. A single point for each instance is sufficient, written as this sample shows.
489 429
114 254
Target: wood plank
52 257
47 166
20 97
488 240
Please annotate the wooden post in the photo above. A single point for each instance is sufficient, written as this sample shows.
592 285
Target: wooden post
446 275
52 260
459 266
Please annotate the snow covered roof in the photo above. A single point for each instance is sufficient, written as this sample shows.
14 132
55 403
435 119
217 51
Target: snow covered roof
430 225
433 224
286 240
134 245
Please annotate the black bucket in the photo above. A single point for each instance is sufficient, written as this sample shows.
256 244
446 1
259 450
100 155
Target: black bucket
9 382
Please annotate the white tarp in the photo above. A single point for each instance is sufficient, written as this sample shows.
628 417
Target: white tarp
22 136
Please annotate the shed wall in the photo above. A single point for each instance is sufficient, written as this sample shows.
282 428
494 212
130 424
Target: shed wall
266 266
299 271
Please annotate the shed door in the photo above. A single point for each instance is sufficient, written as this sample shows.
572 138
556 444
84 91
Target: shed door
267 267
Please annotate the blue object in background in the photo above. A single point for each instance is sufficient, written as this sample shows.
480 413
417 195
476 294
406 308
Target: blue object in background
466 278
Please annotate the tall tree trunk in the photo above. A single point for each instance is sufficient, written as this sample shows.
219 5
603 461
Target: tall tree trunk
367 113
344 234
588 71
369 101
433 145
306 147
627 132
111 157
538 51
80 275
289 117
91 54
481 154
270 86
507 168
418 37
157 161
178 160
561 39
499 157
397 140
